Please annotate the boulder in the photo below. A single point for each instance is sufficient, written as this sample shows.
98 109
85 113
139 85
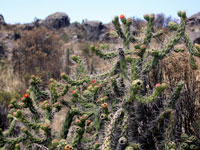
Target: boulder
56 20
2 21
133 30
194 19
94 30
195 37
2 51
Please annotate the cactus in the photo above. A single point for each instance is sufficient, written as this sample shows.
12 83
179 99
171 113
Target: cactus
107 111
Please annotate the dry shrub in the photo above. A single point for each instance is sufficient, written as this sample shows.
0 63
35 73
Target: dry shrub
10 88
138 23
11 85
38 53
172 70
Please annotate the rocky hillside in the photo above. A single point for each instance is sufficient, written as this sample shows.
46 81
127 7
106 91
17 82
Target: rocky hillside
138 91
44 48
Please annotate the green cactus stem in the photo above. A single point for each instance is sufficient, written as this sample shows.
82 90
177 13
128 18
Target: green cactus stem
38 94
68 120
11 128
176 95
74 82
107 55
149 30
110 130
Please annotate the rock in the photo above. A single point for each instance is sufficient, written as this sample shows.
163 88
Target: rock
36 23
2 21
29 26
194 19
2 51
133 30
94 30
56 20
195 37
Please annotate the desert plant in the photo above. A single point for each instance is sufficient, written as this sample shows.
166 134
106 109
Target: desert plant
112 110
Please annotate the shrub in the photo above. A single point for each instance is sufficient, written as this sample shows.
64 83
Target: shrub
38 53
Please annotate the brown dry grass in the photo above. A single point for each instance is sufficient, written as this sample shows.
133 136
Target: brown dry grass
11 85
39 53
173 69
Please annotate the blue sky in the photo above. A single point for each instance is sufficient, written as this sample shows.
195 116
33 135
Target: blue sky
24 11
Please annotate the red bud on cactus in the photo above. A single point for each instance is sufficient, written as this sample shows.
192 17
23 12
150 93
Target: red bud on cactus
26 95
94 81
88 122
14 113
77 121
62 74
158 85
122 16
73 92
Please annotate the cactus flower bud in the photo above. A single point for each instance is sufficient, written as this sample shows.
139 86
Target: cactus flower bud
88 122
26 95
77 122
158 85
14 113
62 74
122 16
67 147
93 81
104 105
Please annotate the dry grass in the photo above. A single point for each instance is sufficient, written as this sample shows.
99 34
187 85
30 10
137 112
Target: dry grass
39 53
11 85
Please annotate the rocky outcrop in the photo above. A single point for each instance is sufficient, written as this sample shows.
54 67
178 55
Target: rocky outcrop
95 30
2 52
194 19
2 21
56 21
195 37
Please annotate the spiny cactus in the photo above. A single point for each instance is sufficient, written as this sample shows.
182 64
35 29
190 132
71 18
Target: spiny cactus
108 111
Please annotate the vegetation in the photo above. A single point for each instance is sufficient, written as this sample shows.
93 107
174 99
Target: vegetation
38 53
114 110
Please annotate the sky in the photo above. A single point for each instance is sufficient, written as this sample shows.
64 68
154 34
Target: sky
24 11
